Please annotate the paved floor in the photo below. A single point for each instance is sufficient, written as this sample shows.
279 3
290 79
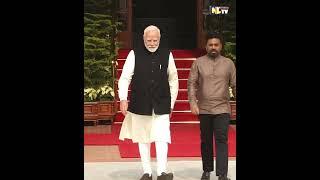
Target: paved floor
182 170
105 163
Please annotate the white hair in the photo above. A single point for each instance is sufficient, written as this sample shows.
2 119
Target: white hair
151 28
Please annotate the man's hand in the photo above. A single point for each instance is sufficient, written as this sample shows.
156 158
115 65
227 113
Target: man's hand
194 109
124 107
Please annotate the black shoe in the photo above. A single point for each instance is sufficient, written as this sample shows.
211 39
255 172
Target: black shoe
205 176
223 178
165 176
146 177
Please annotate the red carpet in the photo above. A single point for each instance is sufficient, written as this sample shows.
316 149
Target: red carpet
104 139
185 141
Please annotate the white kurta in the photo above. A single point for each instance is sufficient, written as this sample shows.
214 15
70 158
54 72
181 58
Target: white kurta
144 128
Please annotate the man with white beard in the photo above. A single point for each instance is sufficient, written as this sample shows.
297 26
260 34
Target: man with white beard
154 89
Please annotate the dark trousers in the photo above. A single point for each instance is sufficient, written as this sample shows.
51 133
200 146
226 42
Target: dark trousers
218 126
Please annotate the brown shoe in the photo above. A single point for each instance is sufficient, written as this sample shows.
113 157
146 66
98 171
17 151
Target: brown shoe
146 177
165 176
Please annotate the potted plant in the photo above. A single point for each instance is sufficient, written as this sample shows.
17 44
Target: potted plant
100 52
233 105
99 104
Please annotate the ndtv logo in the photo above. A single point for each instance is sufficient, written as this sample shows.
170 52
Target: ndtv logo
218 9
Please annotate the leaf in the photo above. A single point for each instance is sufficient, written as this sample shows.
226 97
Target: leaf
112 93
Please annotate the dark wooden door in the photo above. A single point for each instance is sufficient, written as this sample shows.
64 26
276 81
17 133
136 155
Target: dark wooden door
125 17
202 10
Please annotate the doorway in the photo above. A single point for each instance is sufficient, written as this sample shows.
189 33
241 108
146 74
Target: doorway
176 21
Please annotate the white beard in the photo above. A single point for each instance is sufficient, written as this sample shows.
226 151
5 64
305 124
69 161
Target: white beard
152 49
